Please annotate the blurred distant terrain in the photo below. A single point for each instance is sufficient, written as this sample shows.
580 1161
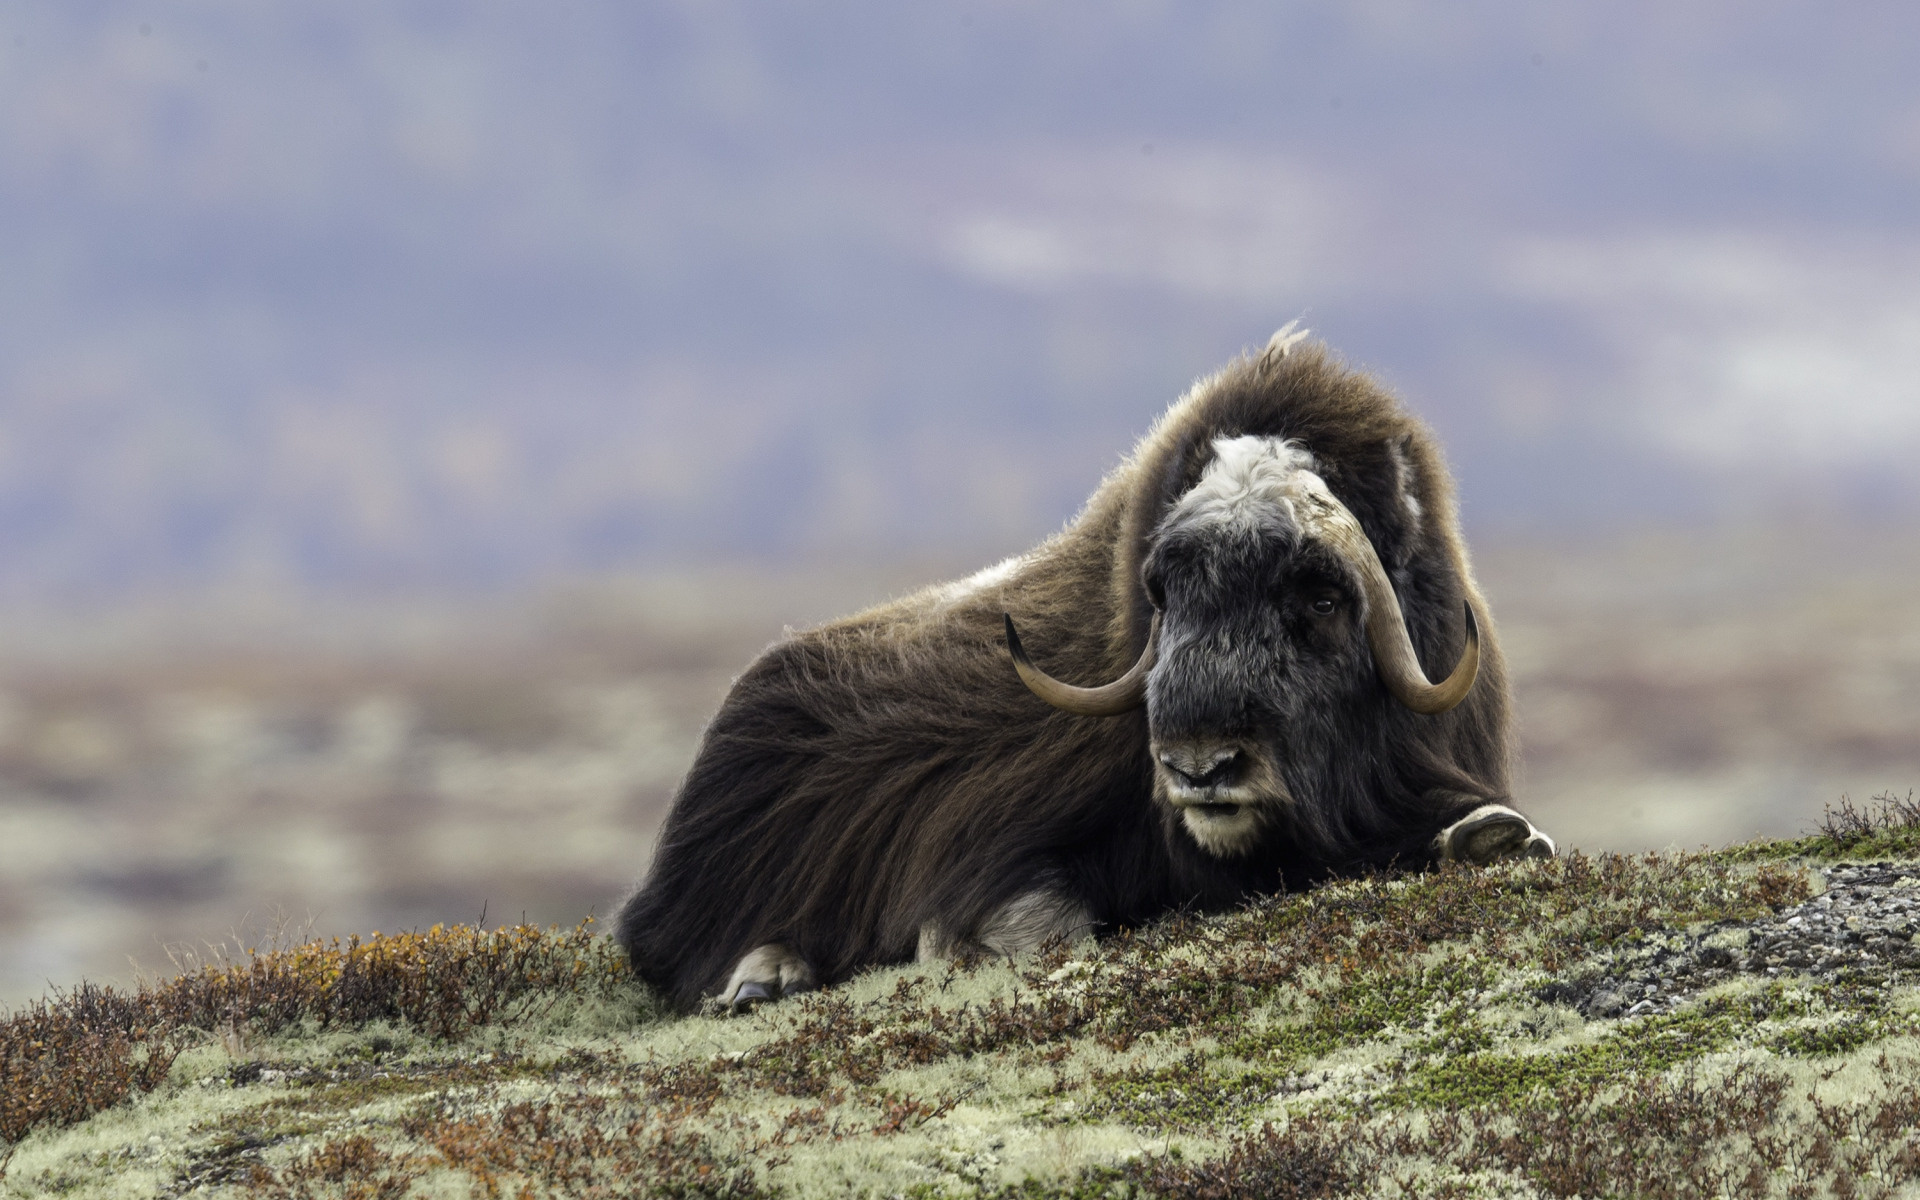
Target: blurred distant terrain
428 295
180 773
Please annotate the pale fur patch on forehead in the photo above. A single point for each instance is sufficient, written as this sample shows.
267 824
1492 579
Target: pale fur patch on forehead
1252 480
1248 478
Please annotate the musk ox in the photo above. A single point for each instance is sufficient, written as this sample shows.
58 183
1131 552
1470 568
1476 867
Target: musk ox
1270 582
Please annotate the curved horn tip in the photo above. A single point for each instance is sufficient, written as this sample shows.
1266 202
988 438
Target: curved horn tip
1122 695
1019 652
1441 697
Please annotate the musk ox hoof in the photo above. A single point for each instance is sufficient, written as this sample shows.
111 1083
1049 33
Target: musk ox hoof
1489 833
751 993
768 973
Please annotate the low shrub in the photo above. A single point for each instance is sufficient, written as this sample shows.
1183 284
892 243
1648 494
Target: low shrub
64 1059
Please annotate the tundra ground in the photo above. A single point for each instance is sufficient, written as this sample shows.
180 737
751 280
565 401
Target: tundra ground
1745 1022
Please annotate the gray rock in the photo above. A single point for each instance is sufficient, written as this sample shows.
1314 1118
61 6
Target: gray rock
1851 928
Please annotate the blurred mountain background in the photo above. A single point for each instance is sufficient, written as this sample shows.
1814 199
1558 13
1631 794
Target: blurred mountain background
412 414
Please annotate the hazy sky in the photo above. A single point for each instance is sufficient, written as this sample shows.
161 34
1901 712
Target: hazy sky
386 294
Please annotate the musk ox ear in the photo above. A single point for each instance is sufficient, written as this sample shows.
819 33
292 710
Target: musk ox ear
1406 480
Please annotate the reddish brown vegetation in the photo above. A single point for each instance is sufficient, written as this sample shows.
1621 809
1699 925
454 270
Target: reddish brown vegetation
64 1059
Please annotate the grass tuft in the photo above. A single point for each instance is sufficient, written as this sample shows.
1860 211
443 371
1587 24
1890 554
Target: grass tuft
1887 827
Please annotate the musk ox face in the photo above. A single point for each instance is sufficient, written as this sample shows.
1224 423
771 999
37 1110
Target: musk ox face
1261 644
1270 605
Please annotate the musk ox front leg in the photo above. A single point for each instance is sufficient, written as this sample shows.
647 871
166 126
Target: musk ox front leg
1490 832
767 973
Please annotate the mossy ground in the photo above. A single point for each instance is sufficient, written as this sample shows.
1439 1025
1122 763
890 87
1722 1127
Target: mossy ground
1383 1036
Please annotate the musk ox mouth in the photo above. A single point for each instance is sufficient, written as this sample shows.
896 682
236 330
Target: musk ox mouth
1225 822
1207 809
1222 828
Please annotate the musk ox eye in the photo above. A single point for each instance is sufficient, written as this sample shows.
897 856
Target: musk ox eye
1324 606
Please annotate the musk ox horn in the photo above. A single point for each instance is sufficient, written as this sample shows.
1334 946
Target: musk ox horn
1400 670
1387 636
1393 654
1122 695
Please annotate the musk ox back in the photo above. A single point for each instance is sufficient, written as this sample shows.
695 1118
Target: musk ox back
1214 683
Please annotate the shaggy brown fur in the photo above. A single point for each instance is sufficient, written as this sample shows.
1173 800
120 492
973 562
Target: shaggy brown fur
889 769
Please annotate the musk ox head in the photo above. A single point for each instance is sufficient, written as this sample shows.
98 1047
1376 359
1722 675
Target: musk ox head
1273 618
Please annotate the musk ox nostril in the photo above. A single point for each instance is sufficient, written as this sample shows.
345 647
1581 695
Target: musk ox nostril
1217 768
